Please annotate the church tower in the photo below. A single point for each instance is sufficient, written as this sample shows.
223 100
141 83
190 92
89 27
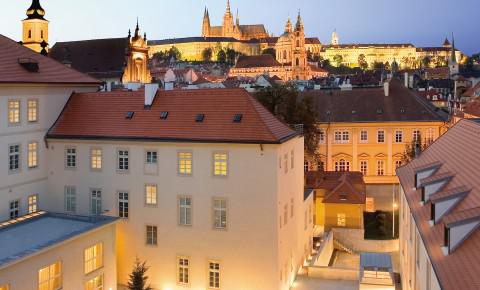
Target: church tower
228 22
206 24
137 70
334 38
299 52
453 64
35 28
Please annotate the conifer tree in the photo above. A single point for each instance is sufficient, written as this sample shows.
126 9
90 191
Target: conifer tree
138 278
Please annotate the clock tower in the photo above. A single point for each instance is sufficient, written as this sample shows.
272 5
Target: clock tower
35 28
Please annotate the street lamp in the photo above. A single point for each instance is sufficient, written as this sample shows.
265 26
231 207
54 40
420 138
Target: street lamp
394 207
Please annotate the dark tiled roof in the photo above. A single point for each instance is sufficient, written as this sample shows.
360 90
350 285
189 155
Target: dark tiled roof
341 187
358 45
312 40
371 105
458 152
102 116
194 39
100 58
472 108
263 60
49 71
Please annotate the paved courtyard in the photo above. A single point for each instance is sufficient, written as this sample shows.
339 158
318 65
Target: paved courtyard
307 283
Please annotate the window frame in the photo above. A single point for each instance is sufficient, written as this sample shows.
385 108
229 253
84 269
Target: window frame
216 209
151 157
180 160
362 163
32 202
69 157
151 237
51 279
216 272
96 287
94 156
36 112
17 116
341 220
383 136
344 136
189 207
18 155
183 267
221 162
398 140
14 212
125 213
361 136
70 193
124 160
32 155
97 199
95 264
381 170
151 204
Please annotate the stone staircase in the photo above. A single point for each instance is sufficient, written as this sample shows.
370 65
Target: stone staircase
343 246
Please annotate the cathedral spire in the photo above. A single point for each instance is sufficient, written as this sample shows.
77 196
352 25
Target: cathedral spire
453 55
228 8
137 30
299 25
288 26
238 19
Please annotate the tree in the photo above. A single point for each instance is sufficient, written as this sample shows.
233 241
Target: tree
338 59
231 56
207 54
426 61
221 56
362 62
175 53
413 149
285 103
270 51
138 279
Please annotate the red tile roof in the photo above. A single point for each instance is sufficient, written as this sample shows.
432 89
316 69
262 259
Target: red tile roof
459 153
263 60
472 107
341 187
102 116
49 70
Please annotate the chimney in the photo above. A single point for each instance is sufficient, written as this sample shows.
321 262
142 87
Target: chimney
150 92
386 88
406 79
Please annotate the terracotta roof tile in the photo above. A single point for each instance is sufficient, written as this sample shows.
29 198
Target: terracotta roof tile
264 60
458 151
102 116
341 187
49 70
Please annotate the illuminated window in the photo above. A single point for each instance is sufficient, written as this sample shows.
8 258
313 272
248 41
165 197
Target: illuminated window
150 194
183 270
96 159
416 135
185 163
214 275
33 203
342 136
50 277
321 136
398 136
151 238
96 202
70 157
13 112
14 209
123 204
380 136
70 199
220 164
33 155
123 160
95 284
364 167
32 112
341 220
151 157
185 211
93 258
14 158
342 165
363 136
429 136
380 167
220 213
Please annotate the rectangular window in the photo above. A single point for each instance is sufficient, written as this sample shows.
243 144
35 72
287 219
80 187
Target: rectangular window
13 158
123 204
70 199
429 137
341 220
380 167
96 202
14 209
306 166
320 166
151 157
398 163
33 203
292 207
292 159
342 136
364 167
220 164
50 277
183 271
96 159
185 211
93 258
95 284
321 136
150 194
122 160
220 213
398 136
285 162
214 275
151 238
185 163
380 136
70 157
416 135
32 111
33 155
13 112
285 214
363 136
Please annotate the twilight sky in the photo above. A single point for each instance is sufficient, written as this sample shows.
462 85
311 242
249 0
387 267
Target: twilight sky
421 22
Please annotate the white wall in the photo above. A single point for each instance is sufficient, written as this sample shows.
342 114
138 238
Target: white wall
253 249
28 181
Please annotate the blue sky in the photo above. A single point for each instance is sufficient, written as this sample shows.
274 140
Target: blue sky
421 22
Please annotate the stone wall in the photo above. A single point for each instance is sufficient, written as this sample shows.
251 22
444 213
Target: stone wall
355 239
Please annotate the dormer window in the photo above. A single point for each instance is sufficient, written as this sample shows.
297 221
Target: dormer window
459 227
434 184
425 171
445 201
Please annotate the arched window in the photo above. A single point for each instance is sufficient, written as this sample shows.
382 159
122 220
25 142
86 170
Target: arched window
297 62
284 54
298 43
342 165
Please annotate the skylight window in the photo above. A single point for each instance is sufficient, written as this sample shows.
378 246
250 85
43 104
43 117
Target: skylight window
163 115
199 118
237 118
129 115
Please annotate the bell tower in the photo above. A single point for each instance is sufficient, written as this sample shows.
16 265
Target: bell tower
206 24
136 70
228 22
35 28
299 60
